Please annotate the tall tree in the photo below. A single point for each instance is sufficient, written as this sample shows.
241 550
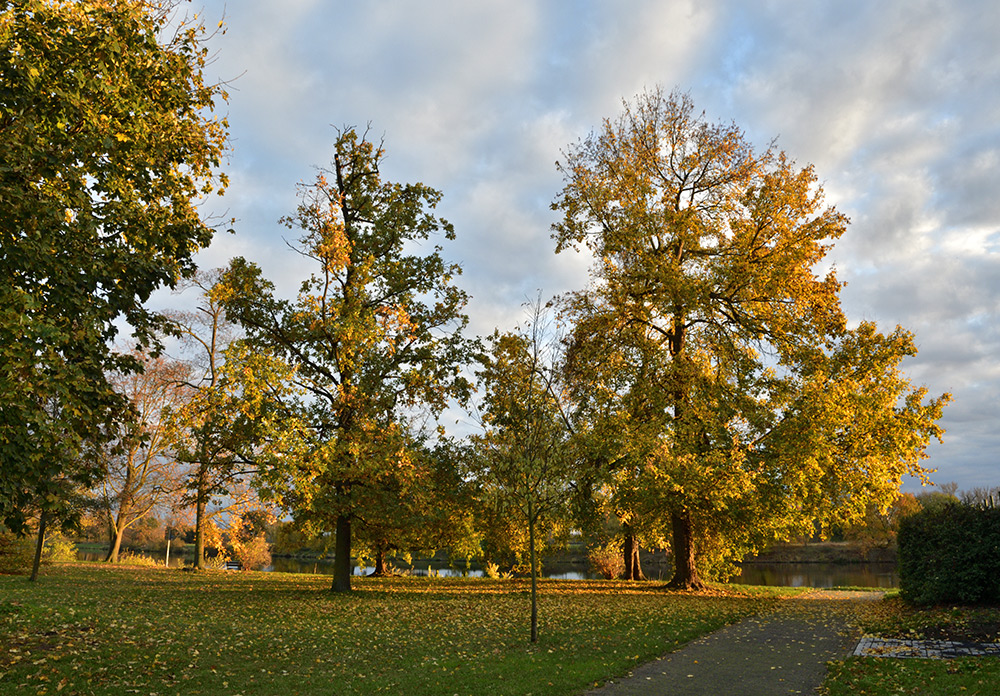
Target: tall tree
215 437
375 331
709 330
106 143
526 452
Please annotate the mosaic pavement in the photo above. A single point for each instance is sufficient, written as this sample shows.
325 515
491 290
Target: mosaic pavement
873 646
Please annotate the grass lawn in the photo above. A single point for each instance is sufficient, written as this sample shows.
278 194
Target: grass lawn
93 629
891 618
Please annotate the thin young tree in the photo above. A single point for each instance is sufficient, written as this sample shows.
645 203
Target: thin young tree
215 439
525 447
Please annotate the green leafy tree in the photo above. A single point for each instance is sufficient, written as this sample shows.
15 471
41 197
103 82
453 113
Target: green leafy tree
431 504
526 454
374 333
709 337
945 495
106 143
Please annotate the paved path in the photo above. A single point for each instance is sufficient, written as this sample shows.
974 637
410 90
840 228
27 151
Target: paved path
783 652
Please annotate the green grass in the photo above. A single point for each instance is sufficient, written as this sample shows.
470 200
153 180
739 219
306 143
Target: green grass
893 618
874 676
91 629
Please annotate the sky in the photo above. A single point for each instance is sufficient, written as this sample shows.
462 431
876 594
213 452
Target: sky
896 103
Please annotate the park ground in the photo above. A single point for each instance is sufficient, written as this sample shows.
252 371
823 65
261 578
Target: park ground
94 629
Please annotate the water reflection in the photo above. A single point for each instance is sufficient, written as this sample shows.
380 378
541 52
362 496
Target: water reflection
819 575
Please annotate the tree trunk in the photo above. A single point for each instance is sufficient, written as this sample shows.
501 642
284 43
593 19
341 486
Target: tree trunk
199 518
111 534
380 570
115 546
630 556
534 574
342 557
685 570
627 542
43 518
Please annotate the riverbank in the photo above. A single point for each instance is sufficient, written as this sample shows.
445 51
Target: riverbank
821 564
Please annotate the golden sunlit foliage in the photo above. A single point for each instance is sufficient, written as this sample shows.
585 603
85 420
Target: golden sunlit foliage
726 399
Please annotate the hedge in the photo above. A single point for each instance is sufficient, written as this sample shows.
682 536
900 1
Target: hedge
950 555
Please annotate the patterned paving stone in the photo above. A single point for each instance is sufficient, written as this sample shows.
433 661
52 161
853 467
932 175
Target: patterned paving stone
873 646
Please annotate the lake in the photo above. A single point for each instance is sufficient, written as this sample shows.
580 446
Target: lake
773 574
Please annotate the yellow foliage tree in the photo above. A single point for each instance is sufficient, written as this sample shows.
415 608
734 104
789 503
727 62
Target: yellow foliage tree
709 339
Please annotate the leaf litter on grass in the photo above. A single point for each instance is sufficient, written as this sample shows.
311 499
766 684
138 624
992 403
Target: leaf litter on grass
159 630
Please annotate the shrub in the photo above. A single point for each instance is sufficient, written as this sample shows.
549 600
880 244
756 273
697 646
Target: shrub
252 555
15 553
607 560
58 549
18 554
128 558
951 555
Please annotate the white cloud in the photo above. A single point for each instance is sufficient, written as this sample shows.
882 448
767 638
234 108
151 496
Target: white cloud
896 103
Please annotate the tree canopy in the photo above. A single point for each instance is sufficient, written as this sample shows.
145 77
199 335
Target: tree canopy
373 337
106 143
711 336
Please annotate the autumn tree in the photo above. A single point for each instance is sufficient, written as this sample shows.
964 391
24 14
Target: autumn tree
431 504
139 471
526 454
709 333
215 436
880 527
373 334
107 143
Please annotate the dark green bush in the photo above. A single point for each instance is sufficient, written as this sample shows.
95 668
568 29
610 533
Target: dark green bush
950 555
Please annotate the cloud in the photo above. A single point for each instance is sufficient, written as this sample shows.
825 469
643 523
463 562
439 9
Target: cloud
897 104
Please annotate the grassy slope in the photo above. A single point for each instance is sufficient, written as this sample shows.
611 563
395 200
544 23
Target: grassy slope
99 630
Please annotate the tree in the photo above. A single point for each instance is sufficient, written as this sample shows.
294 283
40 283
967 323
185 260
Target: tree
139 468
525 446
247 537
106 142
375 332
944 496
981 496
215 436
880 528
709 334
431 504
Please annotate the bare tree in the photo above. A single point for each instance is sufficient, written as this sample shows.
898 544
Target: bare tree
141 472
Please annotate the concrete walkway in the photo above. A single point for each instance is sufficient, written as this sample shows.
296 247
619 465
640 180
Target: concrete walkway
783 652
